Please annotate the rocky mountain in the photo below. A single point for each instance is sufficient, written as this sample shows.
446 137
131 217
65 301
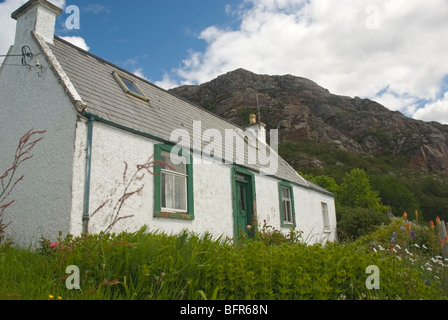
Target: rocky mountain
301 109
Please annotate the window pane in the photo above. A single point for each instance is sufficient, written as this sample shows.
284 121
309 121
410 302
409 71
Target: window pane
325 215
287 211
131 86
242 198
167 191
180 193
286 193
179 168
174 192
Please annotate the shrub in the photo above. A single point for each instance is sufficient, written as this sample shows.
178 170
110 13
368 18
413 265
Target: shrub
356 222
155 266
416 246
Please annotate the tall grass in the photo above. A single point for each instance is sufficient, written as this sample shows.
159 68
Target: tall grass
155 266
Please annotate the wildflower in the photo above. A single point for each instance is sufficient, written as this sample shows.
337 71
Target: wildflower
50 297
398 246
412 234
248 227
416 245
402 228
424 247
431 224
54 245
408 226
405 215
438 221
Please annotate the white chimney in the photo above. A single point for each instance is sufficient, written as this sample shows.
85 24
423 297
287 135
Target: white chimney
38 16
258 128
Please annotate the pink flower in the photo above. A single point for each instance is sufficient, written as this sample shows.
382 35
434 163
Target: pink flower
54 245
249 227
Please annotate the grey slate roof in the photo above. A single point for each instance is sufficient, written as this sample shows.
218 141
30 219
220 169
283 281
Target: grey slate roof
93 80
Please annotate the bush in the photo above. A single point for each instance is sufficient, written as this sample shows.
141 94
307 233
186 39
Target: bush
356 222
151 265
416 246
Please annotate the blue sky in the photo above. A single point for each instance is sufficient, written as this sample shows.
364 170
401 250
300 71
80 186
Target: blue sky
392 51
152 37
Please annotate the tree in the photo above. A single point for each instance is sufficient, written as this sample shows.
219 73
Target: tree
395 194
356 191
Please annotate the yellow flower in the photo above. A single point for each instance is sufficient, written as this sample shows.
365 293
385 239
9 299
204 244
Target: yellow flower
59 298
50 297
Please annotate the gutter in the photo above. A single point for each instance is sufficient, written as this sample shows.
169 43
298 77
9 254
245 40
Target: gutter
86 211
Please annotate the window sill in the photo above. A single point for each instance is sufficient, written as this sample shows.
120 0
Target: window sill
288 225
174 215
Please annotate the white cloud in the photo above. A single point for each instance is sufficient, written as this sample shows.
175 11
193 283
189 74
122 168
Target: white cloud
139 73
77 41
8 28
8 24
58 3
167 82
351 47
435 111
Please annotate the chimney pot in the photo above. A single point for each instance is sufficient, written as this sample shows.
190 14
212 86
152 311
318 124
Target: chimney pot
253 119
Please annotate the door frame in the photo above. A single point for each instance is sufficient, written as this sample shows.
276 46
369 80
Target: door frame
240 175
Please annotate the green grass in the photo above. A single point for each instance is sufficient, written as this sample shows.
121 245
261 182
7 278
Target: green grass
156 266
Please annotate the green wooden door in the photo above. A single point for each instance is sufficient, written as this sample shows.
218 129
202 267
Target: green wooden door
243 205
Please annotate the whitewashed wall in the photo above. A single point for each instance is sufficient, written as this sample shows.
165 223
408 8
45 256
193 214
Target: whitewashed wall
309 218
36 100
111 148
308 210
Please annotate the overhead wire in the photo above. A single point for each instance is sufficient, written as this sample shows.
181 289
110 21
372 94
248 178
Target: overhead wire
26 53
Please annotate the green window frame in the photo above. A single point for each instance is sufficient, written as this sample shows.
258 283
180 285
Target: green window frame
286 203
173 199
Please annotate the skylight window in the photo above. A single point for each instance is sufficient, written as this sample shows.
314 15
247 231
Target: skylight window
130 87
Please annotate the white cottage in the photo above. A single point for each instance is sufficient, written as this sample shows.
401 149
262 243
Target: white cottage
103 123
